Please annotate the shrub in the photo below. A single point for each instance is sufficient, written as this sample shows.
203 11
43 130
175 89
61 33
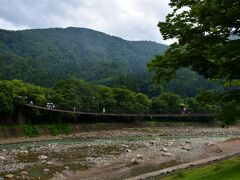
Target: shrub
31 130
60 129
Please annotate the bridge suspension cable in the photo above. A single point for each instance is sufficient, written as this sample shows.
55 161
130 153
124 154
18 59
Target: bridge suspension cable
124 114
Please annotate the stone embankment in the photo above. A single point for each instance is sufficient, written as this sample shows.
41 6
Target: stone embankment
178 167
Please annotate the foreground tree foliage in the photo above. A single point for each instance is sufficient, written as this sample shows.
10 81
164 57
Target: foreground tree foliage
207 41
207 34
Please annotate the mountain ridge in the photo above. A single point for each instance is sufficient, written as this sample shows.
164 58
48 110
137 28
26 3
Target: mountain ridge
79 52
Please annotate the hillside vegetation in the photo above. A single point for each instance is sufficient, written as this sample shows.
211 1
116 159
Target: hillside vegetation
82 53
45 56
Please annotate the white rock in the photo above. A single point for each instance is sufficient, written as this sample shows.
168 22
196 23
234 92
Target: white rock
24 173
164 150
23 152
49 163
167 154
46 170
124 145
129 150
168 144
139 156
9 176
42 157
2 158
66 167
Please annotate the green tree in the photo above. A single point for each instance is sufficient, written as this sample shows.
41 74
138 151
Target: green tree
105 98
125 100
166 102
141 103
6 99
158 105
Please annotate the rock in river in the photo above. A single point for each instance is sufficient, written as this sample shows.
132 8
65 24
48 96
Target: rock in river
139 156
167 154
24 173
42 157
9 176
2 158
129 150
46 170
164 149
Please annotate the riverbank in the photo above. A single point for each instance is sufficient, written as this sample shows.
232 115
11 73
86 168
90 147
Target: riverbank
15 134
39 130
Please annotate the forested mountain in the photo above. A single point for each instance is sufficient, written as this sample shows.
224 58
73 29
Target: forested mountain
44 55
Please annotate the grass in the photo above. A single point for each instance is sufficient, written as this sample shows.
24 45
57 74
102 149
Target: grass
225 170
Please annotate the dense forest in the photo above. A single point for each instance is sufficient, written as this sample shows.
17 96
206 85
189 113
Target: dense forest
72 52
45 56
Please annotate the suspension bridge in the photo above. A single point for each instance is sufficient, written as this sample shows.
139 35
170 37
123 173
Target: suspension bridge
123 114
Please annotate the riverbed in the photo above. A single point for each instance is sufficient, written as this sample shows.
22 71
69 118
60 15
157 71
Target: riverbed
116 154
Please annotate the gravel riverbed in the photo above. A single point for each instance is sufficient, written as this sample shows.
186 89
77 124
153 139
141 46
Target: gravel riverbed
116 154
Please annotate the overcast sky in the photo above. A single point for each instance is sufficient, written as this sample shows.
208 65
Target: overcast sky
128 19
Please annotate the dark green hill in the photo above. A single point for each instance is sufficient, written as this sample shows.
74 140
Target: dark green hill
44 55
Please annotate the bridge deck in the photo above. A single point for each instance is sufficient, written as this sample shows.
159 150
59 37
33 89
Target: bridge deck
124 115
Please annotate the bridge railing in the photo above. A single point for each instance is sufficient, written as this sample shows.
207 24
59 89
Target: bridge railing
125 114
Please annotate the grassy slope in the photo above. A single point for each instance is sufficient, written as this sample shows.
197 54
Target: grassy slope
224 170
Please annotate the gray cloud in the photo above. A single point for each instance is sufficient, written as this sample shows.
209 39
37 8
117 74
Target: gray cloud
129 19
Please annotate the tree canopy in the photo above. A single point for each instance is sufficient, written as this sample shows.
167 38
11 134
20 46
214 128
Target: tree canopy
207 39
90 97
